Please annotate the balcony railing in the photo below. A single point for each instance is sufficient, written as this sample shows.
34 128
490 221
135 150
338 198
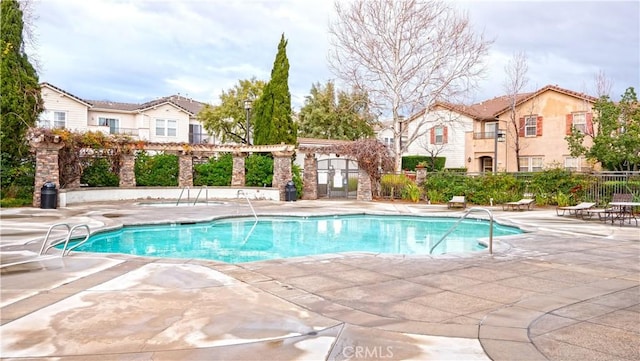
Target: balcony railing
484 135
126 131
200 138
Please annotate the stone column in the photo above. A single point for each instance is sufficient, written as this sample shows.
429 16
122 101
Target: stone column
364 186
47 168
238 178
421 175
281 171
127 170
310 177
185 176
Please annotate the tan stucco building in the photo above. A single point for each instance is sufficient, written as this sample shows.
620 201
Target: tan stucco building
474 136
536 124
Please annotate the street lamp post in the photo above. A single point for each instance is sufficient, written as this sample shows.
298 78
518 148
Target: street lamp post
498 137
247 107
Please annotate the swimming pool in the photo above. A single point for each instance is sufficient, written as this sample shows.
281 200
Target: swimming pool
237 240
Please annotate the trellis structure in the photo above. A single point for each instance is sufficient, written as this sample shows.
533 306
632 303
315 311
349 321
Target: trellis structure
47 166
48 146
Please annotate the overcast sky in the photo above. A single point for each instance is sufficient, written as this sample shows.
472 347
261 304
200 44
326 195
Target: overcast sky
135 51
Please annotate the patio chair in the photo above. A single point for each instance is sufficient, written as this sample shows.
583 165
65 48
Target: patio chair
575 210
524 203
611 211
457 201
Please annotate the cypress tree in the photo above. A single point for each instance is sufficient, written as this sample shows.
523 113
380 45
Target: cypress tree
272 111
20 103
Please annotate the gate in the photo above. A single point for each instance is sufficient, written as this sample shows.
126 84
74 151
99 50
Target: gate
337 178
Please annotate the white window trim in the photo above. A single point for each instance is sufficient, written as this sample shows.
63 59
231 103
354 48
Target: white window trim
438 129
582 125
573 163
47 119
530 164
528 119
166 128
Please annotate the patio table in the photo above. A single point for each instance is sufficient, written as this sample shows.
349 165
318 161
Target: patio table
624 210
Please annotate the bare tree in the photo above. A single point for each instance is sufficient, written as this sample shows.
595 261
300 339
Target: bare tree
515 82
29 35
406 55
603 84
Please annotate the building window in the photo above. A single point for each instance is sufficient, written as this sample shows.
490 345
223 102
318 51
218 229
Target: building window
580 122
53 119
112 123
195 134
490 129
530 126
572 164
388 141
166 127
530 164
439 135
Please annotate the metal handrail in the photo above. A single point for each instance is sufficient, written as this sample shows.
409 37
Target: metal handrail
70 230
206 194
46 238
250 232
181 192
461 219
248 201
66 251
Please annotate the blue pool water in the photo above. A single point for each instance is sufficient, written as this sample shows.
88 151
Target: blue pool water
236 240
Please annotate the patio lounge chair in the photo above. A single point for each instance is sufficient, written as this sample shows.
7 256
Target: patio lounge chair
524 203
575 210
611 211
457 201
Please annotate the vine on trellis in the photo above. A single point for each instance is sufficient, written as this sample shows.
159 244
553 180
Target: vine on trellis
79 148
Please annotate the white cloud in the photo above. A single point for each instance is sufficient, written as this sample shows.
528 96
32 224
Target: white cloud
140 50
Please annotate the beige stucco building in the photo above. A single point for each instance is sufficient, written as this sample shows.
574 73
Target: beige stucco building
171 119
474 136
537 125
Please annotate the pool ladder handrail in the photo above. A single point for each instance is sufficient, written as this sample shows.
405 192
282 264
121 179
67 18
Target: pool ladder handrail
248 201
197 195
206 195
70 231
181 193
460 221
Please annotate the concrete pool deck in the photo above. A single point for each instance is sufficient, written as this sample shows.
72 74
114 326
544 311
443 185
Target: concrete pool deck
567 290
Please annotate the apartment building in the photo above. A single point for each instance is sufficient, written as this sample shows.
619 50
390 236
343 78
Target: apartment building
528 135
501 135
171 119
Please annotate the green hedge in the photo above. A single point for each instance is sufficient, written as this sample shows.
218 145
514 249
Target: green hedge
98 173
215 172
549 187
160 170
259 170
410 162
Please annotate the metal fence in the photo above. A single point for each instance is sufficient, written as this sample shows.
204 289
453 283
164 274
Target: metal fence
596 187
603 185
599 187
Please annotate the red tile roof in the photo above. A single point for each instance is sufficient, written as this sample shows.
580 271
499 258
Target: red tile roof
490 109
